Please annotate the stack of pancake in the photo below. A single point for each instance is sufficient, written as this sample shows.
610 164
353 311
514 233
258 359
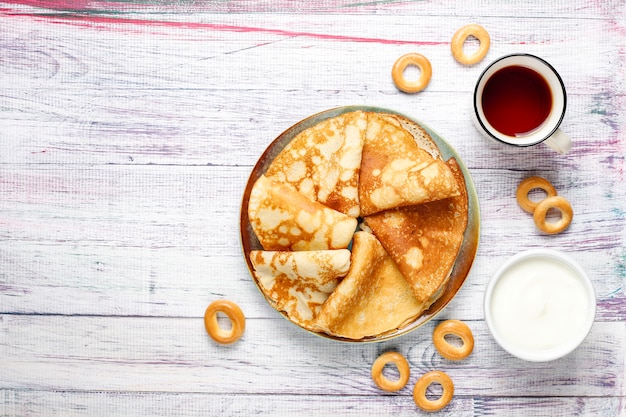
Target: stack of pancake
360 220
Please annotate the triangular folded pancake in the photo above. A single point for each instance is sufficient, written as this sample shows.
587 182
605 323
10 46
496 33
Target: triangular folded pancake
323 162
284 219
300 282
396 172
373 299
424 240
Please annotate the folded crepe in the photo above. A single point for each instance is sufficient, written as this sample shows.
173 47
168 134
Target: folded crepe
323 162
299 282
373 299
424 240
284 219
397 170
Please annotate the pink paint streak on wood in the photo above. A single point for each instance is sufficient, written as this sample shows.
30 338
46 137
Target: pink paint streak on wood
130 25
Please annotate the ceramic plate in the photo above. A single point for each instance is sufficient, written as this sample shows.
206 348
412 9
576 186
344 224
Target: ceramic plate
464 259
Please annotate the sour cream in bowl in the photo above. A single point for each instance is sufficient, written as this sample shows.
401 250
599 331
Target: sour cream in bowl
540 305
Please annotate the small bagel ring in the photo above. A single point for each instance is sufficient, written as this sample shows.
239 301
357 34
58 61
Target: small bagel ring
459 38
420 61
402 365
529 184
419 392
455 328
556 202
235 315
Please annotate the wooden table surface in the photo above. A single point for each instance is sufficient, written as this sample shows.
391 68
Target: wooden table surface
128 130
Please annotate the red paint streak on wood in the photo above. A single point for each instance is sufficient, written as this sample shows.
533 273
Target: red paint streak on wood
127 25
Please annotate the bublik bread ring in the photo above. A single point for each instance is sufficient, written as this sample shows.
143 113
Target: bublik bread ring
532 183
454 328
458 41
422 384
403 368
558 203
418 60
235 315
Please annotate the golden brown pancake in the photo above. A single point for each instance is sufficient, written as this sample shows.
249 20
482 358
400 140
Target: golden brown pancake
396 172
284 219
424 240
323 162
373 299
300 282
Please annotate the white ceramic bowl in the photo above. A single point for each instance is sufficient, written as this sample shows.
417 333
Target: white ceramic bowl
540 305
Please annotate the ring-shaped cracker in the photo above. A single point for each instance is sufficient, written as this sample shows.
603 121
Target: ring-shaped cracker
532 183
418 60
459 38
454 328
403 368
235 315
558 203
432 377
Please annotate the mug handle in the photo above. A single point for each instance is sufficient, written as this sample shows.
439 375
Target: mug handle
560 142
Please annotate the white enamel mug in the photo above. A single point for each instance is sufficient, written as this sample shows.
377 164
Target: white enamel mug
548 131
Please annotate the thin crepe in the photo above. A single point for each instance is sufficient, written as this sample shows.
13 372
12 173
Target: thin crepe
373 299
323 162
424 240
284 219
396 171
300 282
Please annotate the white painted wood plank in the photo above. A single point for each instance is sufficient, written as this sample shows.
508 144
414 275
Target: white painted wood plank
289 52
535 8
274 357
73 404
186 405
211 133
